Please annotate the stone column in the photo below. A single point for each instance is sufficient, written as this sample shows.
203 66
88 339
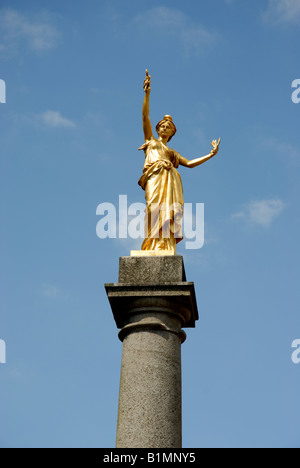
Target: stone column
151 303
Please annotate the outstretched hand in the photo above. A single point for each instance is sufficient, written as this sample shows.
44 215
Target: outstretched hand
215 145
147 82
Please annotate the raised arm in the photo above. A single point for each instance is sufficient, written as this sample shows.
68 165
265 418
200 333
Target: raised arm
146 109
196 162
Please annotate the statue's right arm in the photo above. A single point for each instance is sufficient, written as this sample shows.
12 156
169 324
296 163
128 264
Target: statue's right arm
147 127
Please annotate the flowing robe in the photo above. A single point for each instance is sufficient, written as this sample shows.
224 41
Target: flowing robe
164 197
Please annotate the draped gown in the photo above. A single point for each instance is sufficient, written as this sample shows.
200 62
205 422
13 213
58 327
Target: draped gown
164 197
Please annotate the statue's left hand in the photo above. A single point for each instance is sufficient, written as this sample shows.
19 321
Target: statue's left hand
215 145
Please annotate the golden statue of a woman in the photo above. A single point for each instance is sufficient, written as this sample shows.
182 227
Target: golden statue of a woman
162 182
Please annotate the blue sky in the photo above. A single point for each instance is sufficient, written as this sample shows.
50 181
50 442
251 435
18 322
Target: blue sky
70 130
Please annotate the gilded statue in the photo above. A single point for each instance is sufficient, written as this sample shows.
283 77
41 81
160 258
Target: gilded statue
162 182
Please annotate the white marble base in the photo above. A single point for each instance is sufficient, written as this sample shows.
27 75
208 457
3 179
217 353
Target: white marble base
151 253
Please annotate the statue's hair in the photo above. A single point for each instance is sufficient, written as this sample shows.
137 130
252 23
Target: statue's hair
167 118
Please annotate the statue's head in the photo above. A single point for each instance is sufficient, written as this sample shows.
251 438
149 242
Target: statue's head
167 126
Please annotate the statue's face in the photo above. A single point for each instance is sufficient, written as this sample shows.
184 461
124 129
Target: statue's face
165 130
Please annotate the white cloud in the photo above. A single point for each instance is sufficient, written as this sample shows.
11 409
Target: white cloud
286 151
50 290
176 24
166 19
261 212
282 11
16 28
52 118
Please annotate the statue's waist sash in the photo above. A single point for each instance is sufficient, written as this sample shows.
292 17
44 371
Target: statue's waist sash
155 168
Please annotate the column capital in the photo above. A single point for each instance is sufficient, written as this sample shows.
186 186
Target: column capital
152 284
171 298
